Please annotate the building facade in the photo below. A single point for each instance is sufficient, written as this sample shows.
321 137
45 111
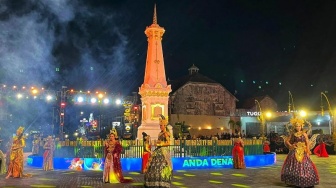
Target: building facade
202 103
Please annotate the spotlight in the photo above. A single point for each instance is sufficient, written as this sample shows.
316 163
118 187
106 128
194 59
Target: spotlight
80 99
19 96
49 97
93 100
100 95
118 101
106 101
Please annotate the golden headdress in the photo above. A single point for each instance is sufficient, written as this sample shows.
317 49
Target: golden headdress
20 129
297 121
114 132
163 120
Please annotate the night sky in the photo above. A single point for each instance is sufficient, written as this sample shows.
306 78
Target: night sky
252 48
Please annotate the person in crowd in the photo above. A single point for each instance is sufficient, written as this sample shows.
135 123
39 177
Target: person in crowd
3 168
48 155
159 169
36 145
146 151
298 169
238 154
8 150
266 147
15 167
320 150
112 167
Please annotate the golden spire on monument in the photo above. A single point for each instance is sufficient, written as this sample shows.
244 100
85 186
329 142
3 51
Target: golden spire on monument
154 16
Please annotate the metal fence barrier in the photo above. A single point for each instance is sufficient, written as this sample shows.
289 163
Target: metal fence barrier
134 148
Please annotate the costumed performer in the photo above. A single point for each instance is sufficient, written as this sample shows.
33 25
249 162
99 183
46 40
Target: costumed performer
146 151
36 145
15 167
48 155
298 169
266 147
320 150
159 169
112 167
238 154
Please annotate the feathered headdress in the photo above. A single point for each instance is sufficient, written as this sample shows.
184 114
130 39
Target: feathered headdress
20 130
114 131
163 120
297 121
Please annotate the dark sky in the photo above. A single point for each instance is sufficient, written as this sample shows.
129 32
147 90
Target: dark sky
249 46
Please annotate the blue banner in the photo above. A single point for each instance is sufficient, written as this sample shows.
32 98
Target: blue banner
134 164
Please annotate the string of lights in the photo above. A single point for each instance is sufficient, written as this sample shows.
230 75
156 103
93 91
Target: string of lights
71 95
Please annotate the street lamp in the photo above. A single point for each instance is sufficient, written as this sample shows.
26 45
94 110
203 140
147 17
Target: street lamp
332 125
261 119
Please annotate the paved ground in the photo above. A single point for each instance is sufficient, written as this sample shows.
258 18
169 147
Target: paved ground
251 177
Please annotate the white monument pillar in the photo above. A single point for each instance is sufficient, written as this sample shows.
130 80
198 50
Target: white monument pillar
154 91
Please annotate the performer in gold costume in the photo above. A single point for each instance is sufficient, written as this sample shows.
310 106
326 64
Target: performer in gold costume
298 169
15 167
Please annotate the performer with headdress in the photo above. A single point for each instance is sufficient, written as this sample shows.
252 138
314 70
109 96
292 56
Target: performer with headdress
15 167
159 169
48 155
320 150
36 145
238 153
112 167
146 151
298 169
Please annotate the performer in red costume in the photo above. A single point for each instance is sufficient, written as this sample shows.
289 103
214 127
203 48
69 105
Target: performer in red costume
238 154
320 150
266 147
112 167
146 151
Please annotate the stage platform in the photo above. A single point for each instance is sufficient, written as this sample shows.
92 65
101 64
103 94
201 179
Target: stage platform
134 164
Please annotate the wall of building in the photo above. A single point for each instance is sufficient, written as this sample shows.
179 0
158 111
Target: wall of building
209 125
203 99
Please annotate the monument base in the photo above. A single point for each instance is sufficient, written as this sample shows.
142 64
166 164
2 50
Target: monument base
152 130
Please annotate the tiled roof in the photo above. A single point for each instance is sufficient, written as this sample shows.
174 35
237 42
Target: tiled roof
195 77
